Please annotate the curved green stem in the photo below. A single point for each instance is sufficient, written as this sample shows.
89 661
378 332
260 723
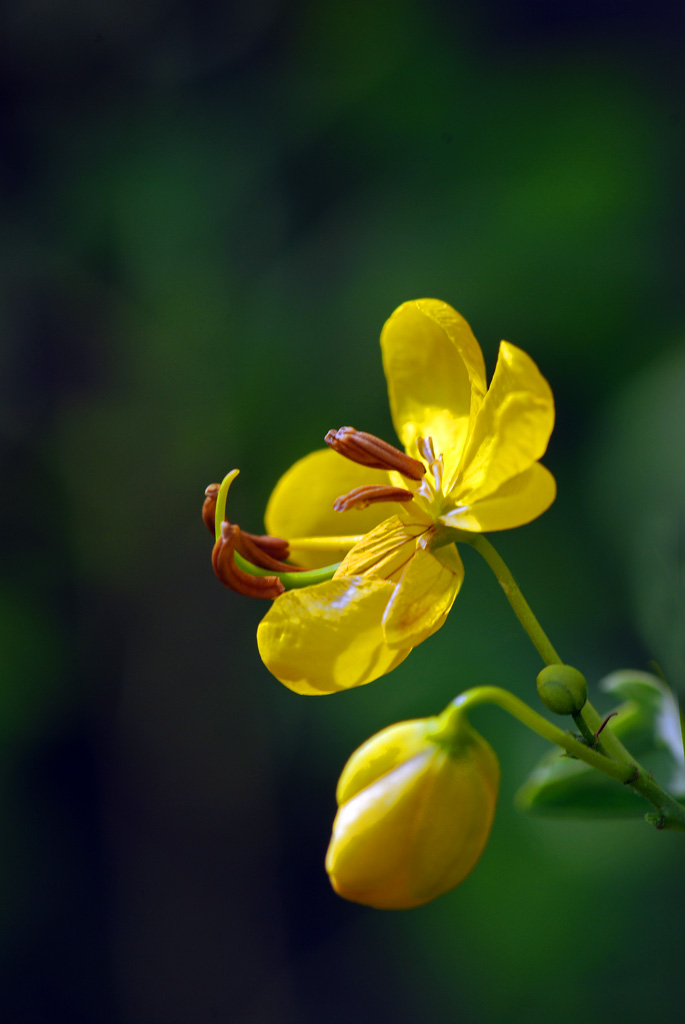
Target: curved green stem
670 814
525 714
588 720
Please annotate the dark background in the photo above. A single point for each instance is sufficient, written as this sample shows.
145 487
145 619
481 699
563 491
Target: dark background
208 212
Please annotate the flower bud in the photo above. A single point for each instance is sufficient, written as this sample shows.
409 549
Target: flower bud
416 803
562 689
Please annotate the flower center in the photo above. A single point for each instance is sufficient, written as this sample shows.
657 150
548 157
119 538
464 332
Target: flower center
429 495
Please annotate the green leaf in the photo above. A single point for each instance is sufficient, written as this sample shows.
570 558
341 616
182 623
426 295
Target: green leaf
658 713
562 787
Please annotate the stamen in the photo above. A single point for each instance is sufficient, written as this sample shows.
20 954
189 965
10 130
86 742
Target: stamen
252 565
362 497
435 463
276 547
426 449
271 548
209 506
369 450
235 578
251 548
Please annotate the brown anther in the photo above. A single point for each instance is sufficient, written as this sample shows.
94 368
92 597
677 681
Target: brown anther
252 548
369 450
209 506
276 547
362 497
232 576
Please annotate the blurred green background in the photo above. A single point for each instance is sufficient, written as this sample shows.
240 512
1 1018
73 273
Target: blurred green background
208 212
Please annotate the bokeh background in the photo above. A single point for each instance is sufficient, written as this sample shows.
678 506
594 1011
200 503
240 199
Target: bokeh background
208 211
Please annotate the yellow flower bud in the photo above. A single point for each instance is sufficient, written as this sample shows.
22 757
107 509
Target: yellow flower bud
416 804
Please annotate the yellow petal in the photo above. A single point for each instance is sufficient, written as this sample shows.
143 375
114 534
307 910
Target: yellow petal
301 504
444 853
417 830
511 430
329 637
380 754
516 502
384 551
423 596
436 376
371 845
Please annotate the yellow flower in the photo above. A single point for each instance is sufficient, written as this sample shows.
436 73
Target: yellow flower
471 465
416 804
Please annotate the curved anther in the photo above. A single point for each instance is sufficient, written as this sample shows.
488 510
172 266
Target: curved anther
369 450
209 506
255 550
232 576
362 497
274 547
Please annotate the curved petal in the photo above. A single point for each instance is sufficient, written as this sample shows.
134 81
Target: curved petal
329 637
436 376
512 428
372 841
423 596
301 504
516 502
388 749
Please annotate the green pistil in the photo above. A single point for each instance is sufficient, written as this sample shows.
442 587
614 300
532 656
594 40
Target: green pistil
220 511
290 580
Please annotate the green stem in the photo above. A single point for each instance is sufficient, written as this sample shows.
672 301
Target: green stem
593 721
584 729
525 714
512 591
588 720
670 814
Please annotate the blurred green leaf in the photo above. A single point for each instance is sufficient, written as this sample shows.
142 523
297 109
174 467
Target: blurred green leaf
658 711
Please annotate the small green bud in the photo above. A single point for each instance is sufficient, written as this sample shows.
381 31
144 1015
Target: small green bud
562 689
